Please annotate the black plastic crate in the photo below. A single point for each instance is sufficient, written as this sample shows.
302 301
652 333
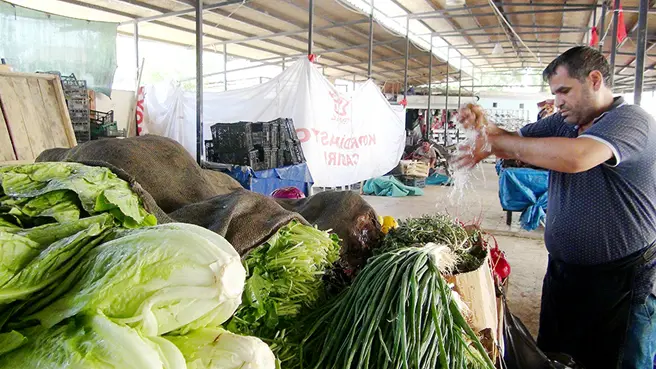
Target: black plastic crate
281 158
274 137
258 138
270 158
230 137
210 155
246 157
296 153
287 130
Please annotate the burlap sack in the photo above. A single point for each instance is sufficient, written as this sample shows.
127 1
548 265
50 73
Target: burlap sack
244 218
162 166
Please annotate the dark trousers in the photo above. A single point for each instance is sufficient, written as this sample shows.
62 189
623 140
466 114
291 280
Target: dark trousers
587 311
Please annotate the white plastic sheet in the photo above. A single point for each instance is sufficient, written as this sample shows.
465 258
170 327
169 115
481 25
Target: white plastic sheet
345 138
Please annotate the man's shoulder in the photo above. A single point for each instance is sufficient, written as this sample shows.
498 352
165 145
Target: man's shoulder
631 111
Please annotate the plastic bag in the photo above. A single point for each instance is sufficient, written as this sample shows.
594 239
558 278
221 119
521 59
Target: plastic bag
521 350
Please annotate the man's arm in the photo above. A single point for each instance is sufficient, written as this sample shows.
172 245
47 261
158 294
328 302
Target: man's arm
567 155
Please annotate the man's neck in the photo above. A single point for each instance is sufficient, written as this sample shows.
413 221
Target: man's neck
606 106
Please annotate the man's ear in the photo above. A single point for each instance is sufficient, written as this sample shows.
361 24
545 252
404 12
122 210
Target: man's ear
596 79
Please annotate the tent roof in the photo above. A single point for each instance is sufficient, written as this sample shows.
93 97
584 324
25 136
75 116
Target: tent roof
531 32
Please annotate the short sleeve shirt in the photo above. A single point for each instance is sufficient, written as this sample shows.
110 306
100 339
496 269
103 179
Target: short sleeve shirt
609 211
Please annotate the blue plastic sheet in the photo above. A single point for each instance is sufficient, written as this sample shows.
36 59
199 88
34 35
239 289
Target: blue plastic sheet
389 186
267 181
438 179
525 190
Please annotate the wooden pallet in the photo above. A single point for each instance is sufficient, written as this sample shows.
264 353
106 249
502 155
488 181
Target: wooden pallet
34 116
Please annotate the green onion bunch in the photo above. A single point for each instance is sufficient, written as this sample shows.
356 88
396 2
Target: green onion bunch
399 313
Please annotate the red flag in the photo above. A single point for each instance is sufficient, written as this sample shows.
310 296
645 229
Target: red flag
312 58
621 27
594 37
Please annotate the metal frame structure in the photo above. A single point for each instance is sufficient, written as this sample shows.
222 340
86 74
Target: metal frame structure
473 31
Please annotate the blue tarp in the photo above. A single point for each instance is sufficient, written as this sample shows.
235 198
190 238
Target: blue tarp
438 179
267 181
389 186
525 190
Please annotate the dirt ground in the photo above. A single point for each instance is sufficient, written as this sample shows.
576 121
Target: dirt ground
480 203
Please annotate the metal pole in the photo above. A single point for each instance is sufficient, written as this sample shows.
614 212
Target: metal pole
225 67
459 97
602 26
640 52
446 96
613 44
310 26
199 83
136 47
354 82
371 40
594 24
407 50
429 115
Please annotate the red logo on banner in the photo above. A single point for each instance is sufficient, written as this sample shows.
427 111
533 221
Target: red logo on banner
340 113
141 95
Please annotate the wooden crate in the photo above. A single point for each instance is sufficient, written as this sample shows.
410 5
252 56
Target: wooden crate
34 116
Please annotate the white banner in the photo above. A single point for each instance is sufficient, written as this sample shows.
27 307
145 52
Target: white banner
345 138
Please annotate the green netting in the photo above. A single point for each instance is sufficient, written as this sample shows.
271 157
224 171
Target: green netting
33 41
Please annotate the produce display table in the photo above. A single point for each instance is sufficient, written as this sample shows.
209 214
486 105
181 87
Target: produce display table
524 190
269 180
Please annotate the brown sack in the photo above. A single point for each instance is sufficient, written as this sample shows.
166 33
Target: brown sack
160 165
244 218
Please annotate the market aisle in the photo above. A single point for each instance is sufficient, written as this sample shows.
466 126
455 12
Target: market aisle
525 250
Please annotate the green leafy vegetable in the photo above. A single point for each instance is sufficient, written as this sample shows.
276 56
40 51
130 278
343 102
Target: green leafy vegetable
284 276
64 190
443 230
92 342
220 349
157 280
399 313
36 269
10 341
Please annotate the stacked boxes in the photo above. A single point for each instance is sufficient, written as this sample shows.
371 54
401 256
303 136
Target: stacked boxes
268 145
77 99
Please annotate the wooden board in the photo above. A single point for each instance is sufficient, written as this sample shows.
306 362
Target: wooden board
34 116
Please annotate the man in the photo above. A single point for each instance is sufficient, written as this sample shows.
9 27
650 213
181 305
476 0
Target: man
598 302
426 154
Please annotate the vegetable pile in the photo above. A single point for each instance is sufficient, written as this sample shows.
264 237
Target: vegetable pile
87 280
465 242
399 313
284 282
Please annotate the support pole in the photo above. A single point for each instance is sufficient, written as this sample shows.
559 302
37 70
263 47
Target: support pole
354 82
283 63
613 44
310 26
225 67
429 114
459 98
199 83
446 96
640 52
602 26
371 40
136 48
407 50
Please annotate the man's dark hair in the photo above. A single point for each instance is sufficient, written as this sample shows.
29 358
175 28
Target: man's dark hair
580 61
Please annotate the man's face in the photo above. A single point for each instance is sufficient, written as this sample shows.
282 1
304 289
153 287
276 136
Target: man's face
574 99
425 145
